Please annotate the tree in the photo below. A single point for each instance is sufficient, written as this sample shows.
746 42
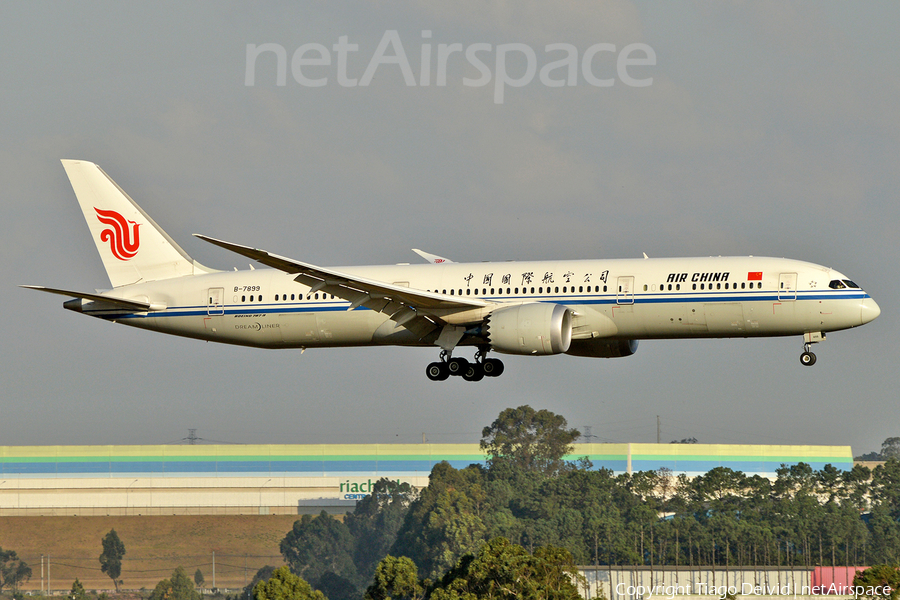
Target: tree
879 578
178 587
77 592
284 585
319 545
396 579
375 522
111 558
444 523
890 448
262 575
198 578
506 571
13 571
531 440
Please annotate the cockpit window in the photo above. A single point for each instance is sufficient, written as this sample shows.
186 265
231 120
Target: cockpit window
837 284
850 284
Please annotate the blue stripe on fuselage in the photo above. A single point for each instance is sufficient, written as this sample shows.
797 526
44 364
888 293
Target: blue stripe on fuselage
607 299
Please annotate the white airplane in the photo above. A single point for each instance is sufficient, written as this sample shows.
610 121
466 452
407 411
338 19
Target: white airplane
591 308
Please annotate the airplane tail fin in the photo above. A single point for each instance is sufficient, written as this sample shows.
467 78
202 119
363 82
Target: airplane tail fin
132 246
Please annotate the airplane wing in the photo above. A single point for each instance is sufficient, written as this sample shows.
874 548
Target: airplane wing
419 311
133 305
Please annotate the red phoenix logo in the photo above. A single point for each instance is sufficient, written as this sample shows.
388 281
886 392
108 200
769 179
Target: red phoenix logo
123 241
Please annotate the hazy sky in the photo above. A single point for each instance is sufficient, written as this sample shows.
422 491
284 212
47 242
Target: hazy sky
768 129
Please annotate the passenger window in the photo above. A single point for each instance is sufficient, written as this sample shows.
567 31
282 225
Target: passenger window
604 288
292 296
507 290
243 298
532 290
670 287
743 285
556 290
645 287
677 286
517 290
695 286
251 298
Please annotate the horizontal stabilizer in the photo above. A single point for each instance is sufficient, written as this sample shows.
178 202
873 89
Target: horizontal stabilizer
132 305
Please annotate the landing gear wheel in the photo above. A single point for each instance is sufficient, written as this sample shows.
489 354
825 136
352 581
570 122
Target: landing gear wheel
807 359
473 372
457 366
437 371
493 367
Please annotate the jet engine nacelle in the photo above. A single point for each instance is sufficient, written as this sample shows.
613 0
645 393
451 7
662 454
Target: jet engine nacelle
600 348
534 328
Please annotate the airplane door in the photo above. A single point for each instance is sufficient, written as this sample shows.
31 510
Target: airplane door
215 301
625 291
787 286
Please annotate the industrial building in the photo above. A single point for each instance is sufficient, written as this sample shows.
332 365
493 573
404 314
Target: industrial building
296 479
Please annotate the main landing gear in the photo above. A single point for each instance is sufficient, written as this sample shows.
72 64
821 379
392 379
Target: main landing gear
460 367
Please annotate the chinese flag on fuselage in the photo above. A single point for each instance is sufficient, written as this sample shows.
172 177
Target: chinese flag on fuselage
754 276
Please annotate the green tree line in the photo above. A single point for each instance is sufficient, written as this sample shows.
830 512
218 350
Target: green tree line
526 494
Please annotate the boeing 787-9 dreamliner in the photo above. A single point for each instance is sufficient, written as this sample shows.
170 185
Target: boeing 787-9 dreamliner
590 308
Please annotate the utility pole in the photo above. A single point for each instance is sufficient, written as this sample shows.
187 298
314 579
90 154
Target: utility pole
192 437
214 569
658 436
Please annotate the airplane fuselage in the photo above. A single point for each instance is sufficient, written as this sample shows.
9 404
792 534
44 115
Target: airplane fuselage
618 299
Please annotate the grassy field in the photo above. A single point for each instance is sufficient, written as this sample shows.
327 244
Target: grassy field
154 547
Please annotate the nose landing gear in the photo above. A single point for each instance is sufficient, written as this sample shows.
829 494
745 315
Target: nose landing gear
807 359
470 371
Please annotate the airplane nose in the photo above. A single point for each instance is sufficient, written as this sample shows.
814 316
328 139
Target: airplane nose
869 310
